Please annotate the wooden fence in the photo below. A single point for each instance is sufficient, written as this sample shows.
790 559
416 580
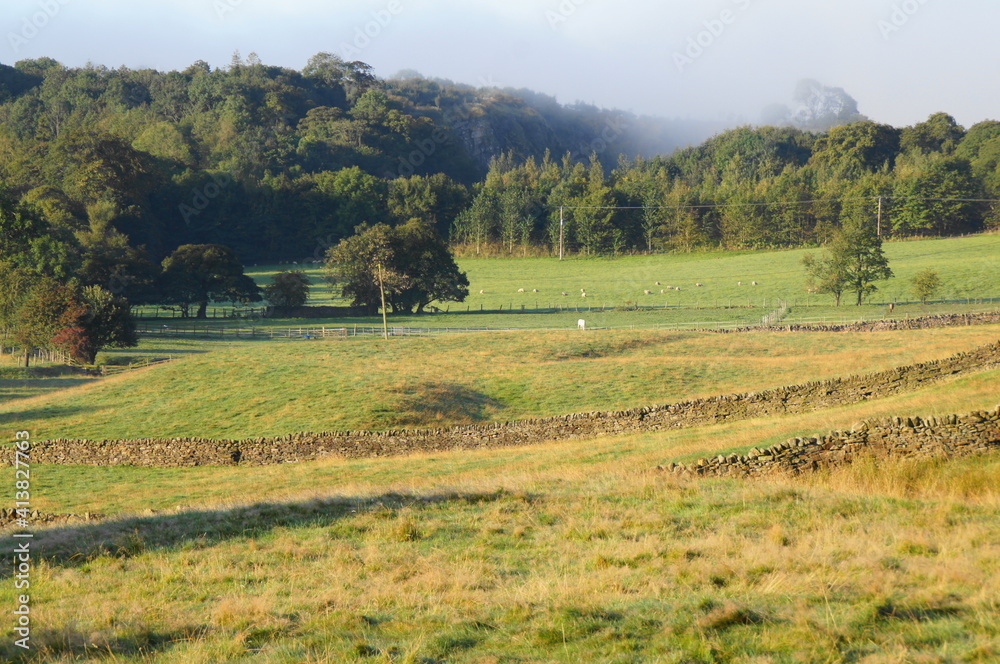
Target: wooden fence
114 369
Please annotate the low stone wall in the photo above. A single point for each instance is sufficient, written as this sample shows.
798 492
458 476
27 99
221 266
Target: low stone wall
180 452
916 437
9 518
886 325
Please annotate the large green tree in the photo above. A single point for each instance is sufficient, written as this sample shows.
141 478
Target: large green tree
289 289
37 312
826 274
405 267
857 250
196 274
431 271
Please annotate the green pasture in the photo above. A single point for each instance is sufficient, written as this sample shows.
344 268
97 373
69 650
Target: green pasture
969 268
572 552
575 551
235 389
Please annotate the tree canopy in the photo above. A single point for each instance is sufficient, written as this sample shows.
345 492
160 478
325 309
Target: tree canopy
854 261
109 171
196 274
409 266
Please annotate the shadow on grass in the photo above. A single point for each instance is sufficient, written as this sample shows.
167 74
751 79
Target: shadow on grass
433 404
127 537
36 386
42 414
67 642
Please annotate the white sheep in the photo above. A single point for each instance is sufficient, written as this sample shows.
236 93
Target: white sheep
584 294
482 292
534 290
739 283
699 285
565 294
753 283
646 292
658 283
520 290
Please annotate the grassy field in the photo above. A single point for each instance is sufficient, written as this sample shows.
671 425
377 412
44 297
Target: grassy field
572 552
243 389
969 269
568 552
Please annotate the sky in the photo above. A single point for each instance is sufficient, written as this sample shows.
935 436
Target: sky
902 60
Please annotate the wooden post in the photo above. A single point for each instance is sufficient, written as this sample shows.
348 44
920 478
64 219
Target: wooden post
381 288
562 224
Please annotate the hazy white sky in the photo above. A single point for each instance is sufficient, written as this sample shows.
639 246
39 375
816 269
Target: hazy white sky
901 59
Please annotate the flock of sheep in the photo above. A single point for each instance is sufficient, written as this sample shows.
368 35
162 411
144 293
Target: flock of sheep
583 291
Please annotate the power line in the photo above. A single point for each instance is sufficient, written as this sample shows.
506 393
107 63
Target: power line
712 206
805 202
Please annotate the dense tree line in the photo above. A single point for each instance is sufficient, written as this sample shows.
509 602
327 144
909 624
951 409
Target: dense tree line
749 187
109 172
275 163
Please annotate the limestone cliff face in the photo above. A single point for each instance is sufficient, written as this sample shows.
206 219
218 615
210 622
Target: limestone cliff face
488 130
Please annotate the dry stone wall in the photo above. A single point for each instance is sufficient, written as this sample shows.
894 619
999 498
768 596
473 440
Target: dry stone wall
181 452
886 325
913 437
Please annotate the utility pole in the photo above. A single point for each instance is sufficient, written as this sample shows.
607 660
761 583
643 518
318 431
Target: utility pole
562 224
381 288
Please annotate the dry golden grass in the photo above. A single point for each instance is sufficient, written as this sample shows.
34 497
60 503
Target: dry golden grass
576 551
590 564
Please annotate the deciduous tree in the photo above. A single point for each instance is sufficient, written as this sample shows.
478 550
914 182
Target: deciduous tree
857 251
290 289
405 267
203 273
925 284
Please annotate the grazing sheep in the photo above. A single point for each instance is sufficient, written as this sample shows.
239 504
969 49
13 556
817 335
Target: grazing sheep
662 291
658 283
482 292
534 290
520 290
646 292
583 294
739 283
583 290
699 285
753 283
677 288
565 294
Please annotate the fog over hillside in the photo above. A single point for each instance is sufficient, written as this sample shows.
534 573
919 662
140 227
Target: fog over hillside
711 64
